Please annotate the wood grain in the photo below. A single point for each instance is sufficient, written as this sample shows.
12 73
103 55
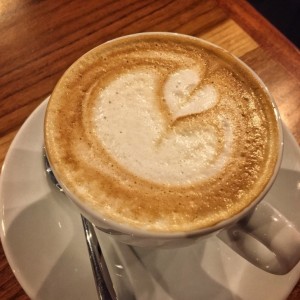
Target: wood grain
40 39
231 37
266 35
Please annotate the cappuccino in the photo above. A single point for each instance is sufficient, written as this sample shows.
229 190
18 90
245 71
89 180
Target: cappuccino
161 132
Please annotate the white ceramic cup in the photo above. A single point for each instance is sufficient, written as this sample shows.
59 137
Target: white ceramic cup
259 226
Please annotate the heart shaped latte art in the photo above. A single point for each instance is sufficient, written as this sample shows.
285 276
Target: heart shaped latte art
182 96
129 121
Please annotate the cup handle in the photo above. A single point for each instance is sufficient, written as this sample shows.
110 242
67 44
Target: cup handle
266 239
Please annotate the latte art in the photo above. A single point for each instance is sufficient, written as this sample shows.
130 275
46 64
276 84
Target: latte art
161 132
155 148
182 97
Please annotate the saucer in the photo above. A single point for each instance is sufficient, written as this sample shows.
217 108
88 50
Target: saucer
42 236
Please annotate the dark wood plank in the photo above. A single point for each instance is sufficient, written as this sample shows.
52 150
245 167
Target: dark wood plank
268 37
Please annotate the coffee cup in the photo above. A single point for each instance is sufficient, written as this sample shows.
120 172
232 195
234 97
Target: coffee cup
161 139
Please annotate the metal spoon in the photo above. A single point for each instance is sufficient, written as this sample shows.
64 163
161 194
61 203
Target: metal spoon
102 279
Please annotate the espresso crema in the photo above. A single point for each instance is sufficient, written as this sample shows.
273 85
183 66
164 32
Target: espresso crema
161 132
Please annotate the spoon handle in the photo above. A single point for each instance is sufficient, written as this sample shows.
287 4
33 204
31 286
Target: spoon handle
97 262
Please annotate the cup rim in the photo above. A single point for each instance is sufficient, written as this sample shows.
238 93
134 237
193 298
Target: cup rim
89 212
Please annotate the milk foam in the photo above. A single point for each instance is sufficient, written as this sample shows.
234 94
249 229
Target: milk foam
133 129
161 132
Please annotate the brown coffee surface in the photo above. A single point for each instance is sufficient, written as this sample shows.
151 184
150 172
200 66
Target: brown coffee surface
161 132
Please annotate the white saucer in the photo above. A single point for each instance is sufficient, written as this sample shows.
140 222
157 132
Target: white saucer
43 240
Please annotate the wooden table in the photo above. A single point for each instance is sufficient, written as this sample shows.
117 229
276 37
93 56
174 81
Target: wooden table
40 39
